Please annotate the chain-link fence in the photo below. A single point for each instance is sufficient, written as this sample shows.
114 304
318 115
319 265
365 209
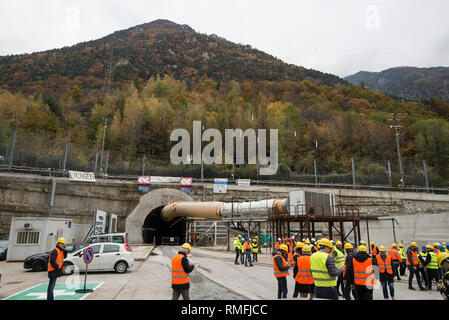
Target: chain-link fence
29 151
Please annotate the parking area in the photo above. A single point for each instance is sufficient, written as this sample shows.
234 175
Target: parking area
215 277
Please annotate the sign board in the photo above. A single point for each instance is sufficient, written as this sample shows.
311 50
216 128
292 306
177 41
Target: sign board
144 184
186 185
99 222
112 223
244 182
88 255
220 185
81 176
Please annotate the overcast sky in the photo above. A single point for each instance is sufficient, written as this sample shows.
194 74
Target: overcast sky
335 36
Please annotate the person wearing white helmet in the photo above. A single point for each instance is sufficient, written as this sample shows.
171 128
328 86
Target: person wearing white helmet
54 268
180 269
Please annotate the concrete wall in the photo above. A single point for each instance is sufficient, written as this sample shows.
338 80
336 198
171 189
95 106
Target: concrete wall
29 195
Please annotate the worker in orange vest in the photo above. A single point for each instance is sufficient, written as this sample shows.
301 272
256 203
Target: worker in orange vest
386 275
180 269
280 269
395 259
374 250
361 274
412 264
296 255
54 268
303 278
247 249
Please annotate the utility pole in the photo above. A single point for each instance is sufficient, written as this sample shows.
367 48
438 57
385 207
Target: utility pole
102 145
396 128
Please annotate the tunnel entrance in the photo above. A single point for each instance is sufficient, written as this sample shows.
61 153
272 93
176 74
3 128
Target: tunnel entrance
154 227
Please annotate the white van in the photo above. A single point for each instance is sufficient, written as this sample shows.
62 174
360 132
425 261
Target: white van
110 237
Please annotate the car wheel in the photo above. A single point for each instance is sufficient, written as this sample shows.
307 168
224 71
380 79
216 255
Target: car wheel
121 267
68 268
37 266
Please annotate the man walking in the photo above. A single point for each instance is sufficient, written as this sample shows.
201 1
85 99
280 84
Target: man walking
412 264
55 262
403 264
386 275
180 269
431 264
237 249
350 253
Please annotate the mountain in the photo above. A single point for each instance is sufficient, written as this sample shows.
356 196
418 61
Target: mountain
407 82
159 48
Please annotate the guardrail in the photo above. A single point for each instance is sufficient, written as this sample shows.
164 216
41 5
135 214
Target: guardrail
62 173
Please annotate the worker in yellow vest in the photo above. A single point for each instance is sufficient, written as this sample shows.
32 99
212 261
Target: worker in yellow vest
255 248
431 264
180 269
443 286
237 248
324 271
55 263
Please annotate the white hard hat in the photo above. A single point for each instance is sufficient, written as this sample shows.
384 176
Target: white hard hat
279 239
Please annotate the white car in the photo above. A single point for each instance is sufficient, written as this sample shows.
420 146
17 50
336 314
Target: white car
107 257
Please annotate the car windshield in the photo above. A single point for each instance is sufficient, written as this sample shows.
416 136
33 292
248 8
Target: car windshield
3 243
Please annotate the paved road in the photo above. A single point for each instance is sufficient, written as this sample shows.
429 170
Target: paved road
215 277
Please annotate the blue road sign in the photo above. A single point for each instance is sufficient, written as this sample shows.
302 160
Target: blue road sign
88 255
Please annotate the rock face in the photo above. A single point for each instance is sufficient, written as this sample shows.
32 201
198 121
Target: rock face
407 82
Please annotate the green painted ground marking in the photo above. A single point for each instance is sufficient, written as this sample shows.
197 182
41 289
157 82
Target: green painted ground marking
62 291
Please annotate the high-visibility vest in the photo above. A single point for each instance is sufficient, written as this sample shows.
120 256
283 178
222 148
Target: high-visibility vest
278 273
254 248
59 260
304 275
402 253
363 273
433 264
178 275
424 256
236 243
246 246
384 266
277 245
340 258
394 254
374 251
321 276
414 259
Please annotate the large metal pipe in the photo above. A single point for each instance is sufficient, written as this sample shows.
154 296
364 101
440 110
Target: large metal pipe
218 210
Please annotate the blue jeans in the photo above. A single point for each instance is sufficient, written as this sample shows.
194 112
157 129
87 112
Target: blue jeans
248 258
326 293
51 286
282 287
385 291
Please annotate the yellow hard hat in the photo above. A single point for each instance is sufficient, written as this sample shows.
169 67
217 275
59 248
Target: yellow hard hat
444 256
401 245
429 247
443 243
394 245
307 241
372 242
186 246
306 248
436 245
299 244
61 240
382 248
326 242
283 247
413 244
348 246
363 243
338 243
362 248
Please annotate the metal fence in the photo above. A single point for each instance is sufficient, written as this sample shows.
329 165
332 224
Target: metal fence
30 153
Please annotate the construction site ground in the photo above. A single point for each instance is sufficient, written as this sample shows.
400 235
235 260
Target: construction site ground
215 277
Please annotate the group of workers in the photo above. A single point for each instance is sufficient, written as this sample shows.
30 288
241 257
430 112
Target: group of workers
246 250
321 268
